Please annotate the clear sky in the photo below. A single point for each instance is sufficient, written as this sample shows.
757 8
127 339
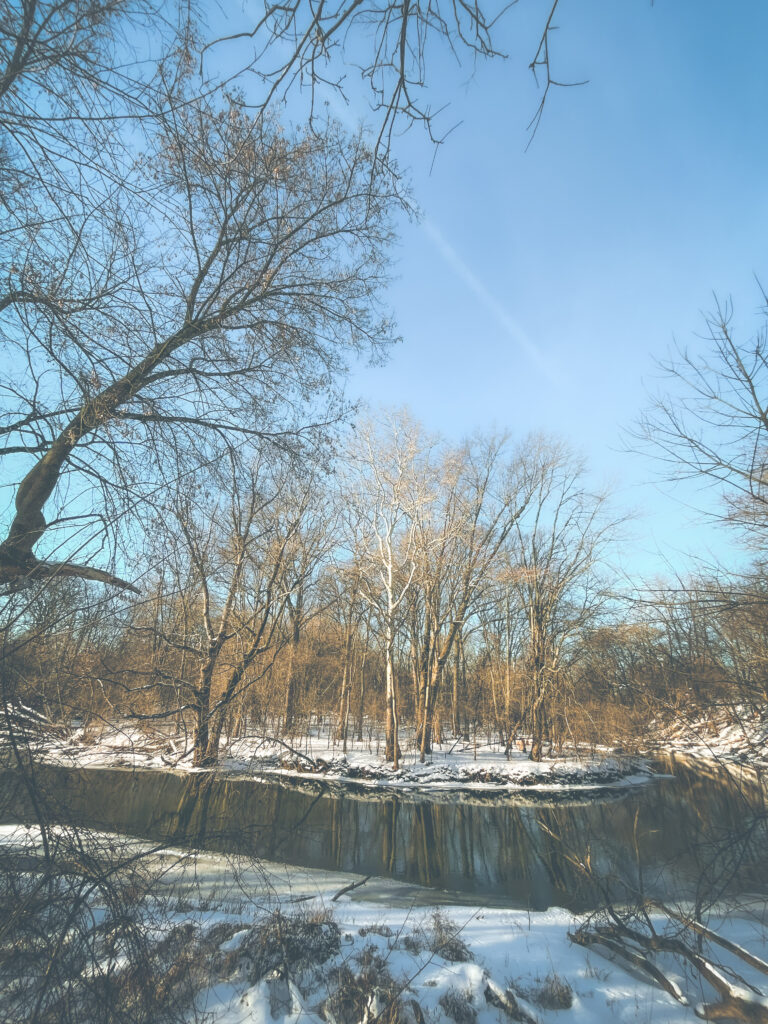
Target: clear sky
540 284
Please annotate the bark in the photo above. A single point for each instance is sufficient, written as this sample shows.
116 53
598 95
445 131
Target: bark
455 693
346 685
201 737
392 750
432 686
290 694
361 705
29 524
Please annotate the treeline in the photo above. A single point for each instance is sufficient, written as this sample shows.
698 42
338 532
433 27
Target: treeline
449 588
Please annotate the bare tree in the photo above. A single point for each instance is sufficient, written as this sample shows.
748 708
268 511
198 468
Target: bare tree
484 488
306 556
350 608
237 540
501 621
383 494
162 249
269 268
713 422
390 47
555 562
712 425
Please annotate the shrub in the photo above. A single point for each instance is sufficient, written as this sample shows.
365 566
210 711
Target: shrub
554 993
292 943
458 1006
444 939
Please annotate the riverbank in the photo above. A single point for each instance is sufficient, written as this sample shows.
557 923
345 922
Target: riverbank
454 765
736 737
732 735
347 945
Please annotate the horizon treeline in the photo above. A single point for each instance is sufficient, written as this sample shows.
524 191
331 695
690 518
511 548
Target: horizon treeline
407 584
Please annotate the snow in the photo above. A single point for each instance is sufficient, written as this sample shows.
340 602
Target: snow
735 735
453 765
508 946
511 950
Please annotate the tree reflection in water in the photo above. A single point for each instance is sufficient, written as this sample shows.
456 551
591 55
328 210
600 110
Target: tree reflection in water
697 834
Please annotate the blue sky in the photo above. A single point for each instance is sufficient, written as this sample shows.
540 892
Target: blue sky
540 284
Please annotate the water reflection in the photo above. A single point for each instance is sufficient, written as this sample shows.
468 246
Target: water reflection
677 836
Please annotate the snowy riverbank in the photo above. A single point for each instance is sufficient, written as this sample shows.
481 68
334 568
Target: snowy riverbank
453 765
273 943
733 735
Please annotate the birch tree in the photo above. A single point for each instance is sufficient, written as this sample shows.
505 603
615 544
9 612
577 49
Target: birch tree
384 492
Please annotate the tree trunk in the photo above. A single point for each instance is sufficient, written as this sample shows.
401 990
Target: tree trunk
346 685
200 736
455 694
538 726
361 705
290 695
424 669
441 654
203 707
345 730
392 747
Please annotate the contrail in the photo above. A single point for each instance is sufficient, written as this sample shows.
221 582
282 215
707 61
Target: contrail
491 303
470 279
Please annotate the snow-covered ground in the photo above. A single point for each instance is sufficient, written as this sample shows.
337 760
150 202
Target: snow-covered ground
735 735
469 965
456 764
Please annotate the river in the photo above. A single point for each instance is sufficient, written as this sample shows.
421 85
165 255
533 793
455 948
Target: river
699 832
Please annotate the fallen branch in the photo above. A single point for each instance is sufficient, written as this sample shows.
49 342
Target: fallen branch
742 1002
297 753
665 944
350 887
505 999
587 938
708 933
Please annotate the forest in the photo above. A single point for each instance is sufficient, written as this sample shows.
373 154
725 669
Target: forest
409 585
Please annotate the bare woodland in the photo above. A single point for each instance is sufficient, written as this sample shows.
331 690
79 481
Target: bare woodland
201 535
186 280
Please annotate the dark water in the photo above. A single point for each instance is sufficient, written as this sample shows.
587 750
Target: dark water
701 832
